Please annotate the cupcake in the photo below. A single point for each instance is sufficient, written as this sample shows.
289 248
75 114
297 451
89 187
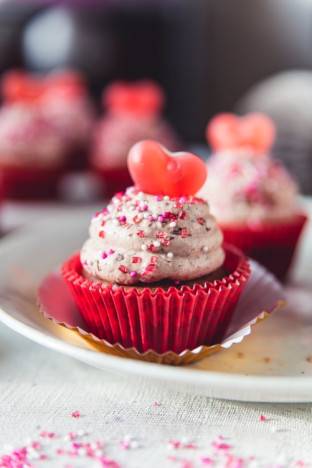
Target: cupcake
63 101
253 197
32 153
133 113
153 274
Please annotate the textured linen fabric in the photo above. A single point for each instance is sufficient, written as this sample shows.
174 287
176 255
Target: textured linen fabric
39 389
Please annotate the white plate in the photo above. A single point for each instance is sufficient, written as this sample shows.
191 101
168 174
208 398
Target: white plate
270 365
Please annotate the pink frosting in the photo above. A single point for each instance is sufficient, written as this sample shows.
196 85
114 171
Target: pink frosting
243 187
147 238
116 134
73 119
27 138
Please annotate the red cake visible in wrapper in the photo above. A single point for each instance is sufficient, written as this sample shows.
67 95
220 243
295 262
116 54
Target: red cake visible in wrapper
272 245
161 320
30 183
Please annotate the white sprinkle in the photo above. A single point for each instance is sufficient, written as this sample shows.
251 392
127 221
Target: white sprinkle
144 247
141 195
156 243
170 255
146 215
166 198
172 224
205 248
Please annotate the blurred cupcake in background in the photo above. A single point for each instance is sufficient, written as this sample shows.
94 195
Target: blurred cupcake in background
63 100
133 113
252 195
32 153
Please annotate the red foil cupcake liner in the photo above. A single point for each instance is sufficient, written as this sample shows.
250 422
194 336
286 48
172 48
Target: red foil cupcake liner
113 180
30 183
271 245
157 319
261 297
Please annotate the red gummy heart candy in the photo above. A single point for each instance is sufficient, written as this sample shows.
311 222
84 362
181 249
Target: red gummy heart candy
157 171
66 84
18 86
227 131
140 98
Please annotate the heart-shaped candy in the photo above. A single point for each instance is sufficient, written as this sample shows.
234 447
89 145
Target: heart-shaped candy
157 171
254 131
18 86
139 98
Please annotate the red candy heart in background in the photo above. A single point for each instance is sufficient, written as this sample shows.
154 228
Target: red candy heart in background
157 171
141 97
227 131
19 86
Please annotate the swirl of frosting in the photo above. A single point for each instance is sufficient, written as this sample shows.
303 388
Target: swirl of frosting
244 187
147 238
27 138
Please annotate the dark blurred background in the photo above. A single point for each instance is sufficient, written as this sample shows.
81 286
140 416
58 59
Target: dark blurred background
209 56
206 54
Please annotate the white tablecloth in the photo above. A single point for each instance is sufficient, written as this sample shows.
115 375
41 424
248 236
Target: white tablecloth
136 419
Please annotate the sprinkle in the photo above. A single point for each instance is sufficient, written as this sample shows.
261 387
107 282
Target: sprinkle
156 243
262 418
137 219
75 414
159 198
120 257
133 274
111 252
170 255
166 198
144 247
122 219
184 233
154 259
136 259
161 219
141 234
102 234
182 200
205 249
104 255
172 224
201 221
123 268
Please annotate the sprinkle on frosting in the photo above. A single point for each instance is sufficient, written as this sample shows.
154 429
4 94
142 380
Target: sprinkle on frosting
258 189
178 239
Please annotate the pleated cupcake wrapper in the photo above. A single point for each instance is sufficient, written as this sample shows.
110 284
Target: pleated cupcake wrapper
160 320
272 245
30 183
261 297
169 358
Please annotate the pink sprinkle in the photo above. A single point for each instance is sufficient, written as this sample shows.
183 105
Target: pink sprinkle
221 446
47 435
123 269
262 418
76 414
161 218
111 252
175 444
104 255
43 456
136 259
133 274
206 460
159 197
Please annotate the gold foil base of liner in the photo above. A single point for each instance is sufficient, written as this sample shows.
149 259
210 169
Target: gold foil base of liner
168 358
